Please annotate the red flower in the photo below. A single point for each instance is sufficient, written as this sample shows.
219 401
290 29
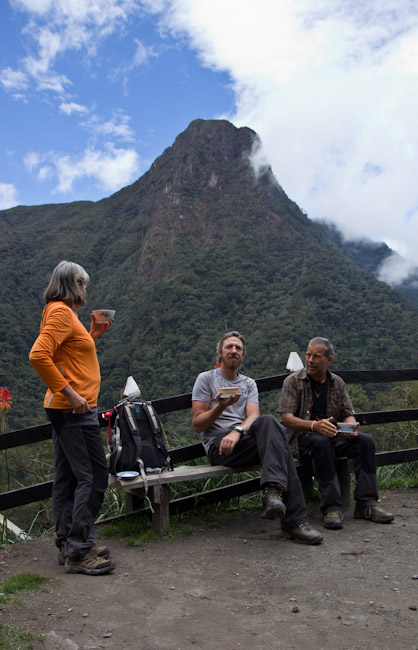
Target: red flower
5 400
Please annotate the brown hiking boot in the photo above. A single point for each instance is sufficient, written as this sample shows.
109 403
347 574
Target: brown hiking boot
302 534
273 506
333 519
373 513
90 564
100 551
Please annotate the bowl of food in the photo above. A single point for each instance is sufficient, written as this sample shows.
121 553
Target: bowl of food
227 391
103 315
346 427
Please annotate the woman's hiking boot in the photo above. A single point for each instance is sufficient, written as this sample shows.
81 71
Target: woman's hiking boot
100 551
90 564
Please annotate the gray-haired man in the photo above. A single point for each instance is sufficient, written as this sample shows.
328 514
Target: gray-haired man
311 402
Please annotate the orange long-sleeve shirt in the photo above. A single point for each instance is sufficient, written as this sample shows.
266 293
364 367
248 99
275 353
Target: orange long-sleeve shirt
65 353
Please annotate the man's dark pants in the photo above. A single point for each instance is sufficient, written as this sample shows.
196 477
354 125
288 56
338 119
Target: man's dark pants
80 481
265 444
322 450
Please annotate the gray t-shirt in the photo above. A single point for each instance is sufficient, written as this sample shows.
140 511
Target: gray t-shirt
205 389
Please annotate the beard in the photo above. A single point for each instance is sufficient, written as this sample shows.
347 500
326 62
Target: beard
232 363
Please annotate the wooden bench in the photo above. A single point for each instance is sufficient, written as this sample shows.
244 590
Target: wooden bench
159 488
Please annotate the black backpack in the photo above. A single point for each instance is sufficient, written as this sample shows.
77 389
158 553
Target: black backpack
136 438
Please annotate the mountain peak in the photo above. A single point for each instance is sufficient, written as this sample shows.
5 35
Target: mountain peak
216 142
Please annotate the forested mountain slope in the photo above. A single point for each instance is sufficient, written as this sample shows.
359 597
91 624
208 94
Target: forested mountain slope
197 246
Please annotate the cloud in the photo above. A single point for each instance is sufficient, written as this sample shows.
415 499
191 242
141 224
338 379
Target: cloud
71 107
117 127
13 80
111 168
395 269
32 160
142 54
331 88
8 196
56 26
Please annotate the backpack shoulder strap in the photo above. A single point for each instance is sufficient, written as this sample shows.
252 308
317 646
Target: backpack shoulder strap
130 418
151 415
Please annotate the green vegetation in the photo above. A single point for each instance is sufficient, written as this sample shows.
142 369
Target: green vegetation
14 637
400 477
9 589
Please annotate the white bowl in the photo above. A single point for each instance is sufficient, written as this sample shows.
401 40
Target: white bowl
228 390
346 427
103 315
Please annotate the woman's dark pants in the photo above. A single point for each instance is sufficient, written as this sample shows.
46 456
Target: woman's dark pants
80 481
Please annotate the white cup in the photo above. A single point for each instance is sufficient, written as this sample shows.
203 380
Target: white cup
103 315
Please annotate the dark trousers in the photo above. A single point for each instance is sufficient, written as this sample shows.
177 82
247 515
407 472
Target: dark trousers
265 444
80 481
322 451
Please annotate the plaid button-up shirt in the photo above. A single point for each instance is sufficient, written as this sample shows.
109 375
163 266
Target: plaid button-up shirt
296 398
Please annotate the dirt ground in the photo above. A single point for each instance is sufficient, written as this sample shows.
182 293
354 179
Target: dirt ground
234 585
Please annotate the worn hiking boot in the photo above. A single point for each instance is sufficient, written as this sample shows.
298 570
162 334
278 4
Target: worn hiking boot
302 534
100 551
273 506
90 564
333 519
373 513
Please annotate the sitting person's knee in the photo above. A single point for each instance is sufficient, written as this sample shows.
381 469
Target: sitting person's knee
366 441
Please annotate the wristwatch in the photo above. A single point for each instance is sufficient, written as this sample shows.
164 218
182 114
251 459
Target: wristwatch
239 428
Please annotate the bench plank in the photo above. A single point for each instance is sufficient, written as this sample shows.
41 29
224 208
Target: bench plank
177 475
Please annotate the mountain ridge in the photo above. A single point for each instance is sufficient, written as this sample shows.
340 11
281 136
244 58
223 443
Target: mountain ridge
199 245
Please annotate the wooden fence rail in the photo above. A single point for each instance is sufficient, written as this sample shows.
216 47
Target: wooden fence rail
41 491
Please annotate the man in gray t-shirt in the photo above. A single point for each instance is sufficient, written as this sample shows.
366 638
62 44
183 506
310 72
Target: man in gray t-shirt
234 434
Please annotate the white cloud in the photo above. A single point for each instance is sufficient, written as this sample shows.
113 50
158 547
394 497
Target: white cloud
32 160
331 88
142 54
56 26
44 173
8 196
395 269
13 79
117 127
71 107
112 168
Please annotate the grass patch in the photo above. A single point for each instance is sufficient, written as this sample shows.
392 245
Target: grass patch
15 637
397 483
402 476
136 529
9 589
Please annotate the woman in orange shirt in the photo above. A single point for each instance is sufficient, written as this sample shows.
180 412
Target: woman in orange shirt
64 356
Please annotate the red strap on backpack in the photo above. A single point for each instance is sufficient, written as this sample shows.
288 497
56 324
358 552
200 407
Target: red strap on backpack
107 416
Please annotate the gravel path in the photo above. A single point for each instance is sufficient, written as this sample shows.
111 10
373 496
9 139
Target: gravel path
234 585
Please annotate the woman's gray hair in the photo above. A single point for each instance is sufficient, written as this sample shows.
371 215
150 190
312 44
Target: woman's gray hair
66 283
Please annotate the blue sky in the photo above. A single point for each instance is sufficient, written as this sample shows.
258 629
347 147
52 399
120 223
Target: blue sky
92 91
